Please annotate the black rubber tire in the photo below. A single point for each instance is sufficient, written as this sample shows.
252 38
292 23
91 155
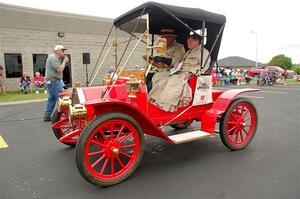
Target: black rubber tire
180 126
79 150
56 131
223 122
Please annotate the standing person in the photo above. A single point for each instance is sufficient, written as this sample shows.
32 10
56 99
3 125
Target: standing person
54 70
2 80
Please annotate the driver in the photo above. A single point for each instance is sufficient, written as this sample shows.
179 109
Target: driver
177 92
175 51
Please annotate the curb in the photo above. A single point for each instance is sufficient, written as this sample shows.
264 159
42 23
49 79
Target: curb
22 102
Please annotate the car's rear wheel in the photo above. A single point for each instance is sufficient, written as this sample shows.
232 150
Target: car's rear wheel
62 126
180 126
238 125
109 149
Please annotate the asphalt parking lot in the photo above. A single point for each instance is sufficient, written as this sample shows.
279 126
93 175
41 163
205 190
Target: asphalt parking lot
36 165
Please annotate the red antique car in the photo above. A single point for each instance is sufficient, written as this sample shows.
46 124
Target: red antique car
107 123
254 72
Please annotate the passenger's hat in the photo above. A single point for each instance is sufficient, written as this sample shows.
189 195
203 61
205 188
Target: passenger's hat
167 32
196 37
196 34
59 47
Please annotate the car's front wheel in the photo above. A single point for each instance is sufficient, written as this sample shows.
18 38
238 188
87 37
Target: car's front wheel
62 126
109 149
238 124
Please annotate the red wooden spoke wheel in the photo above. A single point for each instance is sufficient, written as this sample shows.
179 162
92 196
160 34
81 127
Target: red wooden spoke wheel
109 149
180 126
62 126
238 125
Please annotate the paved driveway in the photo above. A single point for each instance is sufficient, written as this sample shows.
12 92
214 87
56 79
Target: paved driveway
35 165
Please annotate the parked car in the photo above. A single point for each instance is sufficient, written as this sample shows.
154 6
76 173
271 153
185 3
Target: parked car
254 72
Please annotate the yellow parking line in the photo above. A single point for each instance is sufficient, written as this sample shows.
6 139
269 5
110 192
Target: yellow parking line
2 143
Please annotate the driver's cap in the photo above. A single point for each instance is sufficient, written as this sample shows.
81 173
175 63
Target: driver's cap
59 47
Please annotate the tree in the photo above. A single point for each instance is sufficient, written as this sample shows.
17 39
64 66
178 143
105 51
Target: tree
296 68
282 61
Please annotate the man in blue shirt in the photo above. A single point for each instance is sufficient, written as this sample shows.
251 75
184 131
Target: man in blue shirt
54 71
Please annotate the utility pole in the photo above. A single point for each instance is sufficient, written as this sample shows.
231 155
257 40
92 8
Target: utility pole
255 47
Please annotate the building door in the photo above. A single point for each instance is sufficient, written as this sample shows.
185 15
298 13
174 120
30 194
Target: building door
39 63
67 73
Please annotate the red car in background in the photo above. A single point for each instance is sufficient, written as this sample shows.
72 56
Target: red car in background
254 72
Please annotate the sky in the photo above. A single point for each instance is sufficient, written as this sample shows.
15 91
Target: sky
275 22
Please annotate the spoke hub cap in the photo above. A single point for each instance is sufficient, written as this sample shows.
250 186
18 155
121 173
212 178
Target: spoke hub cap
115 151
112 149
241 124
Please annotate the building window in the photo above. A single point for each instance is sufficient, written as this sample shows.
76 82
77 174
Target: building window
39 63
13 65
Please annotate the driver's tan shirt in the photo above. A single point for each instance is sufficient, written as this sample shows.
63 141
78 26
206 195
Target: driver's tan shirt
192 60
176 51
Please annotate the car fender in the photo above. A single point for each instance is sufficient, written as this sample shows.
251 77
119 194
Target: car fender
221 104
146 124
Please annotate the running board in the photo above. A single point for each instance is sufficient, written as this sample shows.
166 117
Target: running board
189 136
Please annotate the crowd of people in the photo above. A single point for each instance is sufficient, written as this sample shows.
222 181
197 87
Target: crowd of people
269 77
24 82
241 77
233 76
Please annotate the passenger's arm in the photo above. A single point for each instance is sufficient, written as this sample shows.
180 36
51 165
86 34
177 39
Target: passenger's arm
191 68
207 65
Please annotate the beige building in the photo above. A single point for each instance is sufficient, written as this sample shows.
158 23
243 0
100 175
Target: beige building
28 36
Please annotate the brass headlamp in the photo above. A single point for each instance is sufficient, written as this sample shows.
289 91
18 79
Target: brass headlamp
132 86
161 47
78 111
106 79
62 104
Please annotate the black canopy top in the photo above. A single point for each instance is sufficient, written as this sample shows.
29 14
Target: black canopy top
181 19
183 13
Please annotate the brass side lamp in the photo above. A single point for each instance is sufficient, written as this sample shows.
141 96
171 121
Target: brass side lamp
132 86
62 104
78 111
77 85
106 79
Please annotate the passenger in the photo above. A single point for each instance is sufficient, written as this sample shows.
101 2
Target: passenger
175 51
177 92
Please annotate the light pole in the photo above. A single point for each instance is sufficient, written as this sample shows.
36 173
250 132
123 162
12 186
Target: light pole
255 47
